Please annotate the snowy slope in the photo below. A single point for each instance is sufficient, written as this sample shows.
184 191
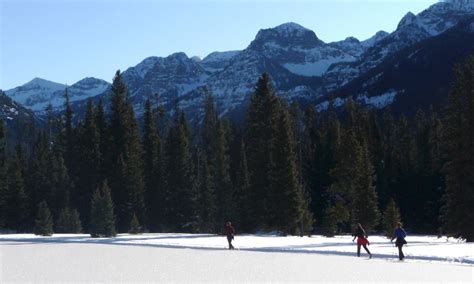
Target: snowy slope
38 93
203 258
419 248
411 29
217 61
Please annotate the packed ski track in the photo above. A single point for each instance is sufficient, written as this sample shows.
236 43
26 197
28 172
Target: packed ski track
197 258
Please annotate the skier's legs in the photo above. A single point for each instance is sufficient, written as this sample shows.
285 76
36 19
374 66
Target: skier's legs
229 240
367 250
400 252
358 250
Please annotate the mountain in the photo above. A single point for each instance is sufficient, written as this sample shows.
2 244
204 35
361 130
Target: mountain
302 66
415 77
411 29
19 120
38 93
217 61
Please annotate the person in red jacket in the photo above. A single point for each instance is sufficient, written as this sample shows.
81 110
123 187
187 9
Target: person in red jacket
229 232
361 239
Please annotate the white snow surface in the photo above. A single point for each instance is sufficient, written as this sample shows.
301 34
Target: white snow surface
317 68
198 258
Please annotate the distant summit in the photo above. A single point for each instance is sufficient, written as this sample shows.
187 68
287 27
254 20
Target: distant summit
287 34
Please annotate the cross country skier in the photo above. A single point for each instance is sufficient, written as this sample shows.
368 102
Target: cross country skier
361 240
400 235
229 232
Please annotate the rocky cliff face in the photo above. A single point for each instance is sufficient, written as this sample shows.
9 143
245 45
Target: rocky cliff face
302 66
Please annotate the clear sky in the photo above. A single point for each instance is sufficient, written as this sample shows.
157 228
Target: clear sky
67 40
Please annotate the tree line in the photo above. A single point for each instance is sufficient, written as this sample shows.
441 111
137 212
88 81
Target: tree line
284 169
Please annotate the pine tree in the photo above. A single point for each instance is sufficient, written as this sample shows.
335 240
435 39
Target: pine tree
126 155
102 213
391 217
68 137
39 180
152 169
242 192
59 182
336 213
458 216
206 198
365 204
223 185
261 120
104 138
15 198
3 179
286 197
179 179
68 221
216 149
342 190
135 227
89 159
43 221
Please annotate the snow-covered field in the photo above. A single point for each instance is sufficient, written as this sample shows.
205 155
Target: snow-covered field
188 257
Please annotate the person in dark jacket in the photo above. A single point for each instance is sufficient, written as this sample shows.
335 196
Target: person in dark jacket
361 240
400 235
229 232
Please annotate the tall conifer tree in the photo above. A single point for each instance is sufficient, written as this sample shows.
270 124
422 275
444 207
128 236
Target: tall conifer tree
458 216
152 169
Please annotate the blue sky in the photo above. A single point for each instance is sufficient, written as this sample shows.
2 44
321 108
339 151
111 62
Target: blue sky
65 41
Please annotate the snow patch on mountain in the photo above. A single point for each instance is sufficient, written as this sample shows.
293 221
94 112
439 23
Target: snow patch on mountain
379 101
316 68
337 102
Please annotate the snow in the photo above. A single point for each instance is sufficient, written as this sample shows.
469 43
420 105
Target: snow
337 102
380 35
192 257
380 101
311 68
146 65
291 29
220 56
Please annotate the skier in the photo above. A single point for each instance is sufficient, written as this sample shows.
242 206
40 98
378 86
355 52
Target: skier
229 232
400 235
361 240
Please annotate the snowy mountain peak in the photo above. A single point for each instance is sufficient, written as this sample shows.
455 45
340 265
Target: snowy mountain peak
43 84
179 56
88 81
351 39
291 28
196 58
407 20
380 35
289 34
